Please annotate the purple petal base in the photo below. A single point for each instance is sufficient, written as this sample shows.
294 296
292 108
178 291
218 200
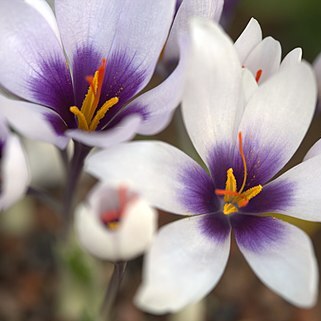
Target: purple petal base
52 87
257 233
122 79
273 198
198 195
262 163
215 226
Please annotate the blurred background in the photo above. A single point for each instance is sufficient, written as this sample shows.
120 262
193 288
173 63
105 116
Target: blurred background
45 278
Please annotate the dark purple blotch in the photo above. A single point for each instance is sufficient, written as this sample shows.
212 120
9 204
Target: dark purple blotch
215 226
257 234
198 195
52 87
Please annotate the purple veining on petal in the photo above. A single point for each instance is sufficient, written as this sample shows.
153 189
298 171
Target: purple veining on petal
86 61
257 233
52 87
123 79
198 194
58 125
263 162
215 226
273 198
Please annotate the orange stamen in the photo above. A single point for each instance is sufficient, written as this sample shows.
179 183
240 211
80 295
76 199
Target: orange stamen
223 192
258 75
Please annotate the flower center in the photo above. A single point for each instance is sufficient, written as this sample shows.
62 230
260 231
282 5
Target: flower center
111 219
236 199
88 116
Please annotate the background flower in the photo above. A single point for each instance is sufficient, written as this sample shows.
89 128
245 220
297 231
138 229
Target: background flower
115 224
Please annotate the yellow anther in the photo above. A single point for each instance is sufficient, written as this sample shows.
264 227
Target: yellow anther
102 112
82 122
236 199
88 117
113 225
230 184
252 192
229 208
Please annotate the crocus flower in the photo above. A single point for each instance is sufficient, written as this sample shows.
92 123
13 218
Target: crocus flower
14 172
115 224
262 56
78 71
244 143
317 69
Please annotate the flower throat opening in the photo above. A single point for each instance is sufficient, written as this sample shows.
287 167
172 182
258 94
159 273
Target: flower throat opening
88 116
236 199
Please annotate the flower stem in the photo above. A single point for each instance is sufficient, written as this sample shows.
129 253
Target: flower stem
74 172
112 289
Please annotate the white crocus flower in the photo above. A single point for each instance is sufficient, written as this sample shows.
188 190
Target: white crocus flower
244 140
115 224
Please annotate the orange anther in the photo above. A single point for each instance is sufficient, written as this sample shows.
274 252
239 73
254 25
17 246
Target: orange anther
258 75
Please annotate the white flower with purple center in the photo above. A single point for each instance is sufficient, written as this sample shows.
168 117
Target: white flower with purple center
244 140
79 70
14 171
115 223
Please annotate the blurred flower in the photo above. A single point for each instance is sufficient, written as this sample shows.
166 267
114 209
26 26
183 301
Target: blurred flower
262 56
317 69
14 172
244 142
111 49
115 224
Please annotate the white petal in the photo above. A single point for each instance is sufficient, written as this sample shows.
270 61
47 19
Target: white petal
156 124
315 150
211 9
287 266
293 57
154 169
249 84
30 42
158 103
249 39
130 239
138 28
31 120
212 101
45 10
279 113
122 132
137 229
304 181
266 56
14 173
317 69
182 266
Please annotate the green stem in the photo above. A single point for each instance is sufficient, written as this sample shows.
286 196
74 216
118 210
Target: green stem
74 172
112 290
